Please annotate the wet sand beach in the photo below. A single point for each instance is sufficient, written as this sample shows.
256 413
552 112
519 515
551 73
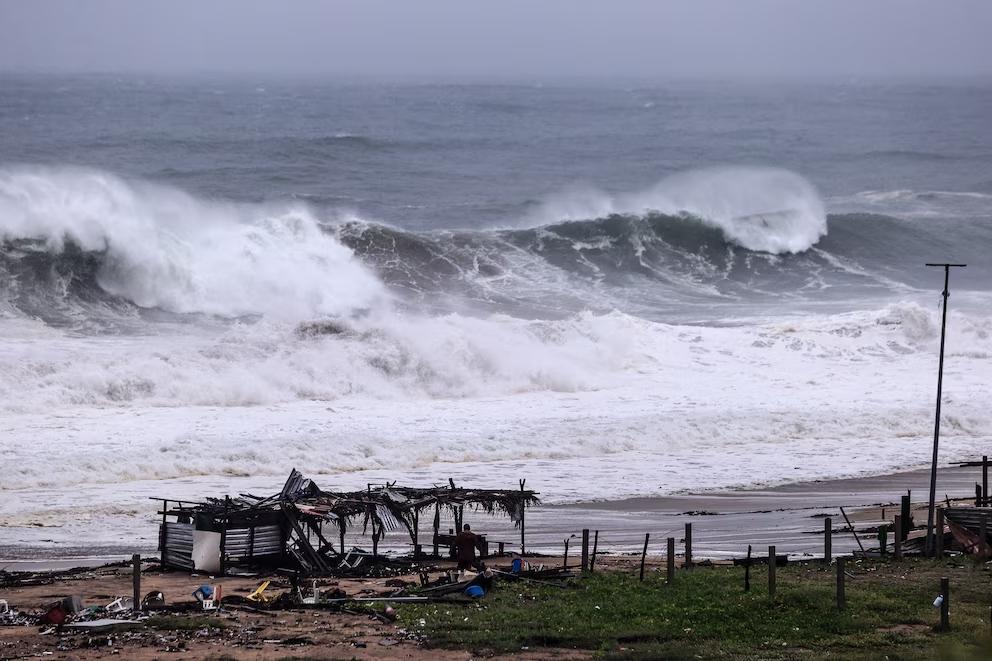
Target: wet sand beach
723 523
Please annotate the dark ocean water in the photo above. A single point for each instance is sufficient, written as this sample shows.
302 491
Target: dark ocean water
507 196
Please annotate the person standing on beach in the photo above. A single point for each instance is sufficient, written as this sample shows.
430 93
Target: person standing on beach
465 544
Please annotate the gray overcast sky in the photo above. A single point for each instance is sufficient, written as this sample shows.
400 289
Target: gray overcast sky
506 38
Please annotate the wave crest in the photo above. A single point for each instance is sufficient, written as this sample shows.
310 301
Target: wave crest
760 209
161 248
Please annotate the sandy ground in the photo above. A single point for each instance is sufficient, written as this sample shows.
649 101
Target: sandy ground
318 634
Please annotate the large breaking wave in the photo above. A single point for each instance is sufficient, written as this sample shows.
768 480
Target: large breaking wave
76 236
90 250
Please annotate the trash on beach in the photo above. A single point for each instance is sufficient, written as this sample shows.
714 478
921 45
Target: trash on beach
103 625
939 601
54 615
120 605
209 596
259 594
10 616
314 597
153 600
965 526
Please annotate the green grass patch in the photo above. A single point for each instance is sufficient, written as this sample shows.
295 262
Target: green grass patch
706 613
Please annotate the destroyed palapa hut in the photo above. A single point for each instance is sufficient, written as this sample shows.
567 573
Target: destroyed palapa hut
293 528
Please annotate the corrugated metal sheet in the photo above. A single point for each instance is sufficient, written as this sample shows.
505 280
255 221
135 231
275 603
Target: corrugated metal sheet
239 544
178 551
970 517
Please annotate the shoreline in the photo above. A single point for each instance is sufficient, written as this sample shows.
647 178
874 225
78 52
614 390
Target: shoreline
789 516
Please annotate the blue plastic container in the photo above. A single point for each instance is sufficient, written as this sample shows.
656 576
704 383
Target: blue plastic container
475 591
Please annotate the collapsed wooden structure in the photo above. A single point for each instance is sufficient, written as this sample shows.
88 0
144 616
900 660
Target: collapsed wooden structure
293 528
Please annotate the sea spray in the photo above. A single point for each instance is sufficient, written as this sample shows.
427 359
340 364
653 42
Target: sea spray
162 248
758 208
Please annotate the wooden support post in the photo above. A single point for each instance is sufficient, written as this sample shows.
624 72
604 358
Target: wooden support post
841 597
671 560
644 553
747 570
136 580
418 551
978 494
163 537
437 527
828 540
502 548
416 533
945 604
906 518
853 531
939 546
375 543
985 481
585 549
897 541
341 536
565 563
595 548
523 511
688 546
771 572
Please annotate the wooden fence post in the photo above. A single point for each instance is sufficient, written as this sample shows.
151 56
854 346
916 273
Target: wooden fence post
671 560
771 572
523 512
906 517
898 537
644 553
595 548
985 480
585 549
841 597
136 580
828 542
945 604
688 546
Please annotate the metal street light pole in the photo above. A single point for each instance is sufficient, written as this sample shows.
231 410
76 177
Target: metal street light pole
936 425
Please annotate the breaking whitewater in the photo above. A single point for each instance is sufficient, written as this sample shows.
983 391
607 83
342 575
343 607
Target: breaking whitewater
719 330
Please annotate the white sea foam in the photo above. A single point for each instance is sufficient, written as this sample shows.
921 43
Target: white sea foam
170 250
764 209
460 390
907 203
